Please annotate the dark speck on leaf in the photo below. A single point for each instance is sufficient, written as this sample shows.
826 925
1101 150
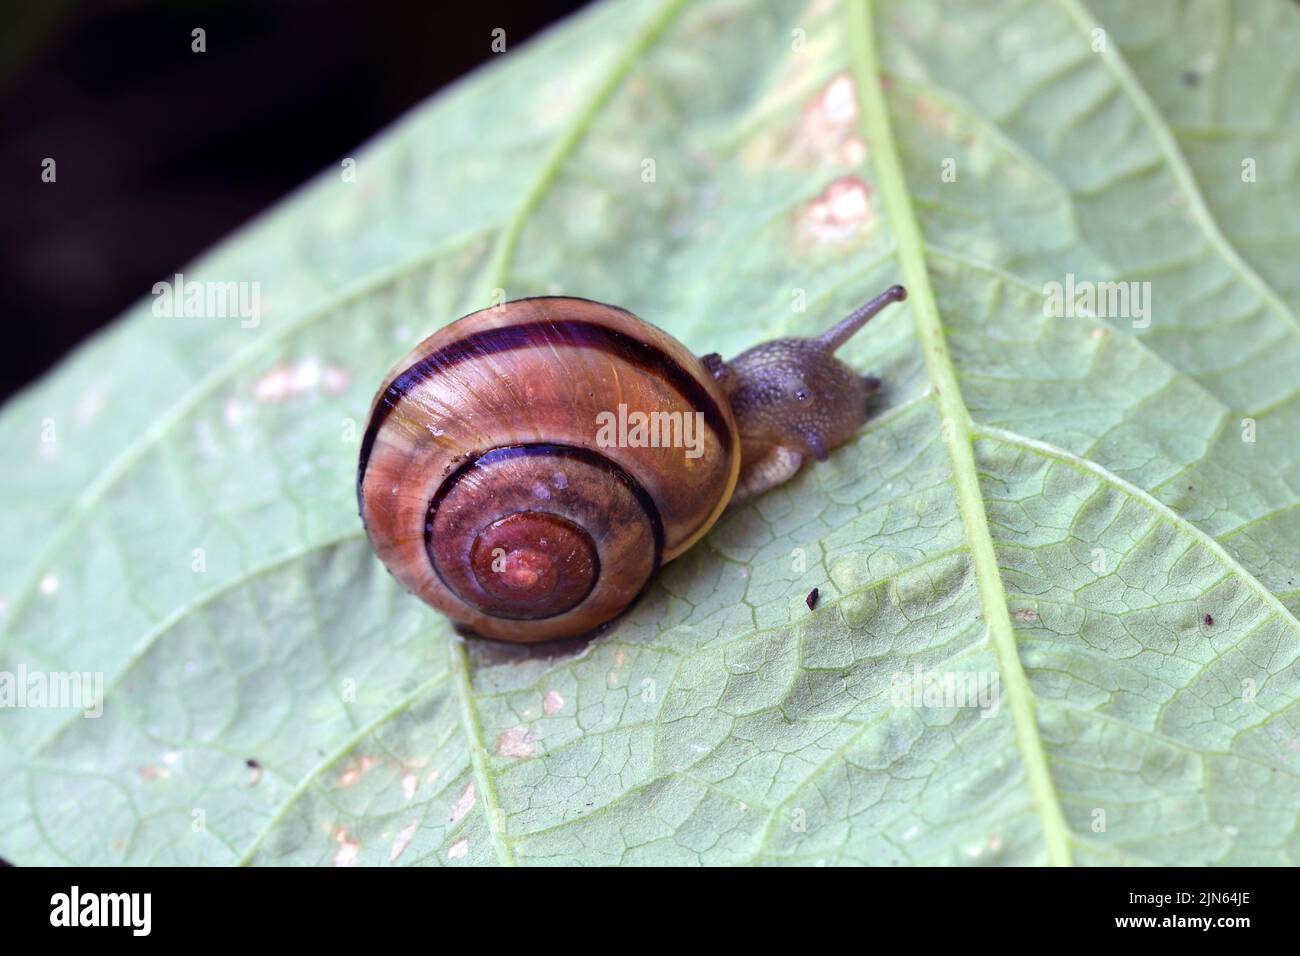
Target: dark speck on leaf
1190 78
1209 620
811 599
251 764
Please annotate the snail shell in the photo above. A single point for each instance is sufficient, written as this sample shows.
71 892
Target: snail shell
483 486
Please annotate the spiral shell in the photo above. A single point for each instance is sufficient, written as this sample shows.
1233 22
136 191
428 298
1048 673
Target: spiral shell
485 490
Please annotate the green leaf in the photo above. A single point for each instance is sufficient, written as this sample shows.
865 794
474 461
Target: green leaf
1102 514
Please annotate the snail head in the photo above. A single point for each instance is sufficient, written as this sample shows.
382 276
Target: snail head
794 393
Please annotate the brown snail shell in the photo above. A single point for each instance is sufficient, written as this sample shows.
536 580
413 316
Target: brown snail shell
484 490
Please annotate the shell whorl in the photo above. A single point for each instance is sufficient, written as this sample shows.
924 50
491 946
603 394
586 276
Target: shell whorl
484 490
523 531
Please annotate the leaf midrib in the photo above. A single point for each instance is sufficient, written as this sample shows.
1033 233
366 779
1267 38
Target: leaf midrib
892 185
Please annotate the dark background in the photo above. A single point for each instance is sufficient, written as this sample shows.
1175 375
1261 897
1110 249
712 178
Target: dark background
161 151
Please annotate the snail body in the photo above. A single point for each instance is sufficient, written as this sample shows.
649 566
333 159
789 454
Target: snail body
500 482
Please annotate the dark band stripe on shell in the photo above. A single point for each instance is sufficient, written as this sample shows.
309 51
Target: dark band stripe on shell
568 332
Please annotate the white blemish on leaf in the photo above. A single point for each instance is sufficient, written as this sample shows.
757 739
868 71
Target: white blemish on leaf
552 703
612 678
49 584
458 849
232 411
403 840
462 805
355 772
1026 614
518 742
410 784
842 211
335 379
837 104
992 845
90 404
284 382
827 133
348 848
558 98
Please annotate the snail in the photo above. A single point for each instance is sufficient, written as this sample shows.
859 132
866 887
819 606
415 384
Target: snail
527 469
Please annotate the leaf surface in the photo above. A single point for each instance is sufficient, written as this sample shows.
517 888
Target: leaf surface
1070 505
